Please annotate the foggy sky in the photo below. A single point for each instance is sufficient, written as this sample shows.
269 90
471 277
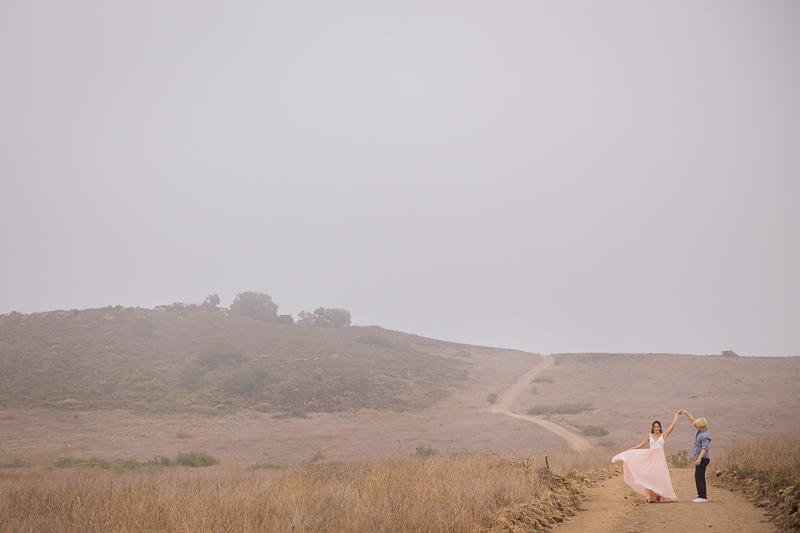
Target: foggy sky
547 176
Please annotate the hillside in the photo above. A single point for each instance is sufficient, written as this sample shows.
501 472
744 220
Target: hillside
168 360
139 383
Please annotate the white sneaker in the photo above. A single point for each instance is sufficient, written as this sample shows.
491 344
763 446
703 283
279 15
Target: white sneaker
699 500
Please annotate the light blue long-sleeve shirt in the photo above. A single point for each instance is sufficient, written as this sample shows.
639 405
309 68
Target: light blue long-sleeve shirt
701 441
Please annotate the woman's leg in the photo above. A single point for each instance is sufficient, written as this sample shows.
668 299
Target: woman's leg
700 477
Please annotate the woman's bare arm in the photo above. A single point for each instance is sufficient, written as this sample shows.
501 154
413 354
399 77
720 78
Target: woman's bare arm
690 417
642 444
671 426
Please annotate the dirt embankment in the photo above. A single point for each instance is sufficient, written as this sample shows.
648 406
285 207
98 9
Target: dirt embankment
780 504
562 501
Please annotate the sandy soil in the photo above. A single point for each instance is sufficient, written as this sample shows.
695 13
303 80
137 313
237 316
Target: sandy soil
612 506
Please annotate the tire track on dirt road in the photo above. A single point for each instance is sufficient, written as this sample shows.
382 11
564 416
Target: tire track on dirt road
512 392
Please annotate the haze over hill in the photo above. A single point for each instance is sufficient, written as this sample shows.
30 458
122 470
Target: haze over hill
137 382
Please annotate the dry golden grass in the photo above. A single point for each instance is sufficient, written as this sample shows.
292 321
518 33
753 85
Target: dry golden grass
773 458
452 494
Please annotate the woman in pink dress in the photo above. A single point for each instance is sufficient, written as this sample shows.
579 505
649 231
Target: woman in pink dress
646 470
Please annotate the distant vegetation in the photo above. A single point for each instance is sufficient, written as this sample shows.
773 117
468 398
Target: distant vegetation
183 356
563 409
374 340
325 317
424 450
16 463
542 379
492 398
594 431
193 459
120 465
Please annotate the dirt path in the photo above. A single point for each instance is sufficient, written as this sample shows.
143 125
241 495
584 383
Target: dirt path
612 506
508 395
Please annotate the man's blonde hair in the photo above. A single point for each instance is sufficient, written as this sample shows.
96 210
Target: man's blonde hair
701 423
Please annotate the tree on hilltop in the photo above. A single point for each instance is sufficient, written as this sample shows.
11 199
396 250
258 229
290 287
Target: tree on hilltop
255 305
212 301
325 317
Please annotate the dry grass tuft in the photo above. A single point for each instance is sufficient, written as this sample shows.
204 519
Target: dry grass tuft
774 458
454 494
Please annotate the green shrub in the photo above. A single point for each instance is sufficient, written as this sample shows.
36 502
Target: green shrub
463 353
219 355
193 378
91 462
374 340
15 464
563 409
69 404
534 390
263 407
425 451
680 459
260 466
492 398
316 458
183 435
594 431
248 380
120 465
542 379
196 459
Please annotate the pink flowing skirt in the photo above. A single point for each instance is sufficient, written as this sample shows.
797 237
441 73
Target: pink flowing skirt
646 469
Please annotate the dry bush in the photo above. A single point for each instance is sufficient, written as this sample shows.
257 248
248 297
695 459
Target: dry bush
453 494
774 458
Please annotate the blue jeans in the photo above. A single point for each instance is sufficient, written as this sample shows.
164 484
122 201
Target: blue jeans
700 477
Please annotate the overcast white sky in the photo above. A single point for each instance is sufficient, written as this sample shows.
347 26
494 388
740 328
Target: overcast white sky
548 176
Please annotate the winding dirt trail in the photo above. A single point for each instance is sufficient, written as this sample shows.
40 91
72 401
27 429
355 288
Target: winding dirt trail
509 394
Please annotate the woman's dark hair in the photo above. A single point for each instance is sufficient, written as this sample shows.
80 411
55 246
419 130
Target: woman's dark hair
654 424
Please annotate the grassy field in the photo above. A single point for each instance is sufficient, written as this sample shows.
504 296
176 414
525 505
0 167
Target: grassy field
451 494
772 459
